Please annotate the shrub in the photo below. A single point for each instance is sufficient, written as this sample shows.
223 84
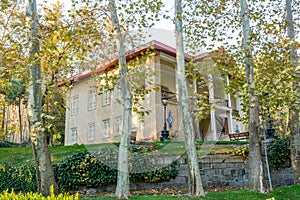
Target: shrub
279 153
83 169
21 178
242 151
34 196
92 169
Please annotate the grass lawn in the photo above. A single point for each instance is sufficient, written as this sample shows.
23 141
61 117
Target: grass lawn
281 193
22 155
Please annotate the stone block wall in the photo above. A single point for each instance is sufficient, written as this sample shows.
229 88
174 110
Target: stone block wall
216 170
228 170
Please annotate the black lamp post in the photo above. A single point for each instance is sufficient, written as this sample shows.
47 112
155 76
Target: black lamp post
269 123
270 130
164 132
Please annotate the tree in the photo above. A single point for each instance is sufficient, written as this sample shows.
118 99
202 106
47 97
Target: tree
294 110
256 173
44 170
195 183
122 190
14 95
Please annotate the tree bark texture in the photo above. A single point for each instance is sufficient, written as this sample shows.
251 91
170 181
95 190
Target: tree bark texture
20 120
44 170
256 172
195 183
294 111
122 190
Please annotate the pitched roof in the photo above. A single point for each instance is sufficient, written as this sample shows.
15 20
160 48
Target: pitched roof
153 45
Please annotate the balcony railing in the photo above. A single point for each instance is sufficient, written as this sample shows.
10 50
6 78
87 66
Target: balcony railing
221 102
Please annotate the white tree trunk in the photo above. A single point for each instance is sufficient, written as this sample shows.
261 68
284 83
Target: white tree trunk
195 183
122 190
44 170
294 111
256 175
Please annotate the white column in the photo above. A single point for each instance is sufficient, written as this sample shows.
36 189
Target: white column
230 121
213 125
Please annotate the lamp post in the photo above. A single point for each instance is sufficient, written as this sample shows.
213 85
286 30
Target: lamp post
164 132
269 123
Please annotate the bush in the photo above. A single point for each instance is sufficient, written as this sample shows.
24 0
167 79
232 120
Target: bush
279 153
91 169
242 151
88 169
21 178
12 144
34 196
83 169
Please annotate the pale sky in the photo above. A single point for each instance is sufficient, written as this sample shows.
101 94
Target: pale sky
162 24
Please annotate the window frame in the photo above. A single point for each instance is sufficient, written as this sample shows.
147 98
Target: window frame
118 122
106 128
91 126
106 97
117 94
73 138
92 99
75 105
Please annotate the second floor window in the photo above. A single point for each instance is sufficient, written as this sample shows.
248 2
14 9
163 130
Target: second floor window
118 126
91 131
117 94
73 135
106 97
106 128
92 99
75 105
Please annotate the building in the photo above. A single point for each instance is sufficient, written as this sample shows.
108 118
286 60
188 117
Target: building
97 118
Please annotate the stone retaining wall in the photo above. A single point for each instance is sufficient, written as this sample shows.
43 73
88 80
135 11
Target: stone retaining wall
216 170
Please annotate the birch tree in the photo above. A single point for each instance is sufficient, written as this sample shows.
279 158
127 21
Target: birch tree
44 171
294 111
195 183
256 176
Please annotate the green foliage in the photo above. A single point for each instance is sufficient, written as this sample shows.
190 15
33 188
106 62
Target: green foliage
21 178
242 151
99 169
34 196
279 153
83 169
12 144
159 174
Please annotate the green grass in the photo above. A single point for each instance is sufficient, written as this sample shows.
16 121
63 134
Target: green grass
281 193
21 155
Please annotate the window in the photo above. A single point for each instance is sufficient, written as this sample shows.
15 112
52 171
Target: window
118 126
92 99
117 94
91 131
106 128
74 105
106 97
73 135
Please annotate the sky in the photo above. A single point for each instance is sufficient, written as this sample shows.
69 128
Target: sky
162 24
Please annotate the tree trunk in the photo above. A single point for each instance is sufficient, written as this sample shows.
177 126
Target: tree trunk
195 183
3 116
44 170
20 120
294 111
256 175
122 190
